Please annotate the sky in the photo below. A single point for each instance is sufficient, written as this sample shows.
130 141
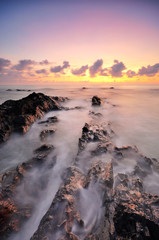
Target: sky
47 41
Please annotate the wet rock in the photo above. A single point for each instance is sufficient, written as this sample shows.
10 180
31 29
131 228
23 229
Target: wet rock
12 214
46 133
64 220
17 116
92 133
136 215
93 114
60 99
50 120
96 101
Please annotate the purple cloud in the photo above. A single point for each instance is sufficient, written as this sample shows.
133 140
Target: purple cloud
149 71
24 65
117 68
44 62
130 73
80 71
4 63
41 71
96 67
104 72
59 69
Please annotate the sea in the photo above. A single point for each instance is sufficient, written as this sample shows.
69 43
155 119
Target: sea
132 110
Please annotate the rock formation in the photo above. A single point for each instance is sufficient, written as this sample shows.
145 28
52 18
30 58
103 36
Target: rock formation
96 101
17 116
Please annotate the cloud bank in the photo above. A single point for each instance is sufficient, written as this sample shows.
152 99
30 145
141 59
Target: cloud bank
30 69
4 63
59 69
80 71
117 69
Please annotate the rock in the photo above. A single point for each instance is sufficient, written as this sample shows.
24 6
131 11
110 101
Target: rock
17 116
60 99
136 213
23 90
46 133
50 120
96 115
64 220
111 88
96 101
12 214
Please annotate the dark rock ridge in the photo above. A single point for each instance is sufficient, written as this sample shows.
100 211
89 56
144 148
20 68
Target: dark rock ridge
96 101
88 206
17 116
50 120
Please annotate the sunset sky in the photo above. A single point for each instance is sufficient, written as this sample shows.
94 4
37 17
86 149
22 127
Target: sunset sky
43 41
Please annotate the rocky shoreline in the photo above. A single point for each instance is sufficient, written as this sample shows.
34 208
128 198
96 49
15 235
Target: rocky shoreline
94 201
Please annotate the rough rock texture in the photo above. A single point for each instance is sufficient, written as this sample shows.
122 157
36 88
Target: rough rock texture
123 211
96 101
17 116
136 213
46 133
64 219
50 120
12 214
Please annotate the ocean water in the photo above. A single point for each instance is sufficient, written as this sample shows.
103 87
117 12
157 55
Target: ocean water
134 115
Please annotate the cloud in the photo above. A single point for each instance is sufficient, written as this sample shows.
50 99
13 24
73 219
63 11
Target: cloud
59 69
4 63
24 65
96 67
43 71
131 73
44 62
80 71
149 71
117 68
103 72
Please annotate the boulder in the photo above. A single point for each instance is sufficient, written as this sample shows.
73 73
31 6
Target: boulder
46 133
96 101
17 116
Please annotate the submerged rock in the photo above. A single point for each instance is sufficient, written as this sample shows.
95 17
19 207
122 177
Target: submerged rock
17 116
96 101
46 133
50 120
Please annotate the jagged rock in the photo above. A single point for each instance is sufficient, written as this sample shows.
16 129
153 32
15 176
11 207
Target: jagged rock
12 214
93 114
46 133
65 221
17 116
136 214
50 120
60 99
96 101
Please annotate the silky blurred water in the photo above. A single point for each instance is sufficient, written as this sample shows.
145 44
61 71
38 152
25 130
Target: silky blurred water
134 116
